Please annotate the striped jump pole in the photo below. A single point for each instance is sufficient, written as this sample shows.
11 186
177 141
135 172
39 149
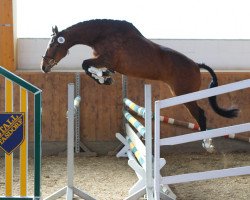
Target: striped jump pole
141 112
136 124
207 143
140 157
25 89
179 123
138 109
242 137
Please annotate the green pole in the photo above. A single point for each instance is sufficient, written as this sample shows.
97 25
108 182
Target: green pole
37 152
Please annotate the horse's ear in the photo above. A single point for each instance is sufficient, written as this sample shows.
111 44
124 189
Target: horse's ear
55 30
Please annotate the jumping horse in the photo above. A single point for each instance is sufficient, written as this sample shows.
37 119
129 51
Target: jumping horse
119 46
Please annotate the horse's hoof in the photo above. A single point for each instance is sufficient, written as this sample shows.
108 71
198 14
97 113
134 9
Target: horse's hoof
95 71
98 79
208 145
108 81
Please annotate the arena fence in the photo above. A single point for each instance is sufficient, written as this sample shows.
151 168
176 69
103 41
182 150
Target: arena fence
158 142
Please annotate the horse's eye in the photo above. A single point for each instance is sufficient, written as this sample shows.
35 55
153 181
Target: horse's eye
61 40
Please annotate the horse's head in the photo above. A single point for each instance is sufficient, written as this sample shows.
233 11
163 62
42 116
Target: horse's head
56 50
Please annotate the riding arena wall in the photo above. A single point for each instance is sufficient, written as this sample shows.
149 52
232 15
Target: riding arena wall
101 107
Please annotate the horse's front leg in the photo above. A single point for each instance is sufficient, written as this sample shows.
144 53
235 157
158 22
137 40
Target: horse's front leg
100 71
101 76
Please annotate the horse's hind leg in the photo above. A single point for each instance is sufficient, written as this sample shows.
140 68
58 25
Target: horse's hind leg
200 117
198 114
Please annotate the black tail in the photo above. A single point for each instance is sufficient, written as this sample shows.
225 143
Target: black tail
229 113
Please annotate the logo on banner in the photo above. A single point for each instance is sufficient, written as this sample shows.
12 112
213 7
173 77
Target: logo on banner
12 131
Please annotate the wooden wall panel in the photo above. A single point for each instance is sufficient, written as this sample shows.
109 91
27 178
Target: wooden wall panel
7 55
88 109
6 12
101 106
100 110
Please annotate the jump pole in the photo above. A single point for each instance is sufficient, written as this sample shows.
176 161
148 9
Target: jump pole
70 190
141 112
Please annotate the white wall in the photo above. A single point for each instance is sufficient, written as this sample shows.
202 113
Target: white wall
30 52
219 54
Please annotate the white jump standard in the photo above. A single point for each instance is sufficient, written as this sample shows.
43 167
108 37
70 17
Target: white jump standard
140 155
70 190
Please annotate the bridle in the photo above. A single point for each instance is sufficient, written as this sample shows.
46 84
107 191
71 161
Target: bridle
50 61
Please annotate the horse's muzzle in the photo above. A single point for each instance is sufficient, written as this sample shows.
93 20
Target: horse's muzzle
48 63
46 69
45 66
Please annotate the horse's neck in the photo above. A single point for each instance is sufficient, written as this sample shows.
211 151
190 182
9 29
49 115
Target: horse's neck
82 34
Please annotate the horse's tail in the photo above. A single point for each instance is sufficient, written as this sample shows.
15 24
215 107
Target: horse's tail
229 113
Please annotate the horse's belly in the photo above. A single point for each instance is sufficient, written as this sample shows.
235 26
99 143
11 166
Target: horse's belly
141 71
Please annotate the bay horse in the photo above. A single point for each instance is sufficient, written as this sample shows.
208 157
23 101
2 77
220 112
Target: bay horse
119 46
